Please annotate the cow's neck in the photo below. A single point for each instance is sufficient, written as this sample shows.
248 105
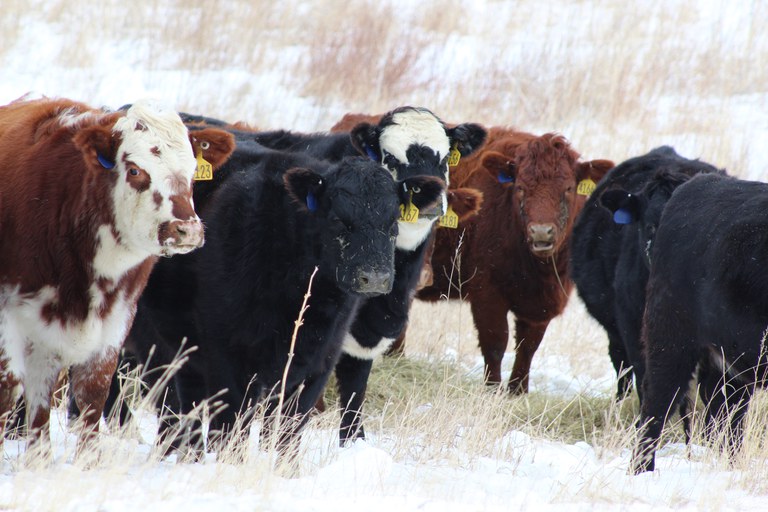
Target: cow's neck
113 258
411 235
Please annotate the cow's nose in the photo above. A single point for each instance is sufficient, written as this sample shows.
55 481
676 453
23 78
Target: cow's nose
181 236
542 236
374 282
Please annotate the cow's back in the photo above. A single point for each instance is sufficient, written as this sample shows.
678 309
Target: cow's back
710 254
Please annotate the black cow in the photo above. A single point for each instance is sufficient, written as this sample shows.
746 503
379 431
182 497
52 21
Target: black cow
381 319
609 261
706 305
268 227
409 142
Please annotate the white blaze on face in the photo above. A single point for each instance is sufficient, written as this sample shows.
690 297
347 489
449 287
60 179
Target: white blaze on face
414 127
156 141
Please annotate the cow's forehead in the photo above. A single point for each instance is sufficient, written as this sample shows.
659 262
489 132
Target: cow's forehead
153 137
414 127
364 191
539 160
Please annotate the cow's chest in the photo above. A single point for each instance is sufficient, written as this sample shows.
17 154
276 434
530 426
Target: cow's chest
412 234
30 337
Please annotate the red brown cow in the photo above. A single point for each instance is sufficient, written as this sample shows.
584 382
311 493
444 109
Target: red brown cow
513 254
89 200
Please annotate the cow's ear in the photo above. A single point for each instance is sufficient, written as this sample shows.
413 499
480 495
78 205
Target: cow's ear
422 191
214 145
465 202
467 137
305 186
365 138
500 166
626 207
593 170
98 145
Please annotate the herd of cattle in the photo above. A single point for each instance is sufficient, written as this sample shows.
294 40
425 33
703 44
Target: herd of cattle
667 254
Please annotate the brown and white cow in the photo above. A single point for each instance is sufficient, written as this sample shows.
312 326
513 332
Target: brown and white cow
89 200
514 253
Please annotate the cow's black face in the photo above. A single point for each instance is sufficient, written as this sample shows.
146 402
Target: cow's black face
356 207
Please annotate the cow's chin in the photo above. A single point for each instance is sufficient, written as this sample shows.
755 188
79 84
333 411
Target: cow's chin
542 250
172 250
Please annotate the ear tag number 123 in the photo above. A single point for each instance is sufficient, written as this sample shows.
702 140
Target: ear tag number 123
204 171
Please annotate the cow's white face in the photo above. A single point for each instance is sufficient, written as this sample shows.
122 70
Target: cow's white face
152 197
418 141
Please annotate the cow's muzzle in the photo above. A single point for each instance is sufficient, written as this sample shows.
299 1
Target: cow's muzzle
373 282
181 236
541 238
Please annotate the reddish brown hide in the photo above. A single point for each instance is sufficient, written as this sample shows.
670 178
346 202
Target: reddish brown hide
514 252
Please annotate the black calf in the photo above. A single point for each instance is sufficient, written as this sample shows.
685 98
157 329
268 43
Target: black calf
706 305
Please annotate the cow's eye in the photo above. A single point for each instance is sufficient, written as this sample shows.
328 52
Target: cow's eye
133 171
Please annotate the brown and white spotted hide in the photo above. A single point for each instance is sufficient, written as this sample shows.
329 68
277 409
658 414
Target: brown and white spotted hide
89 200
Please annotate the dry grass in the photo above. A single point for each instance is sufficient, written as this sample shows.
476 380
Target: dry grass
616 80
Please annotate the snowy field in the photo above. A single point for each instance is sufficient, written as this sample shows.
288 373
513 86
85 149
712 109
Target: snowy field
616 79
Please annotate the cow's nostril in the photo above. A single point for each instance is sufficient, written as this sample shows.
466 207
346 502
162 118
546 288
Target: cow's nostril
364 280
181 230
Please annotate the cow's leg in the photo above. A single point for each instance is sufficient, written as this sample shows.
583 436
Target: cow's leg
490 318
352 378
725 410
90 384
178 430
38 392
618 354
293 417
10 391
529 336
113 399
668 373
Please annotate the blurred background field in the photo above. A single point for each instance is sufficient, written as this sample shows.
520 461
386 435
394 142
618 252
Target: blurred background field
616 78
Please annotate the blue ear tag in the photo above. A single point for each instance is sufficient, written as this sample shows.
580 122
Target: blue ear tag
622 216
105 163
503 178
311 201
371 153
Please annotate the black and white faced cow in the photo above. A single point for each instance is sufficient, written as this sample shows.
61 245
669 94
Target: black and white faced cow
706 305
409 142
609 249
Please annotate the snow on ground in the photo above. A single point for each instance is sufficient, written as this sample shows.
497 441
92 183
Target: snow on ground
542 475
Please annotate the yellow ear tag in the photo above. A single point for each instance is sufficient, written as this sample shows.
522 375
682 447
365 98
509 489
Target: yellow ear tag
409 212
585 187
204 171
453 157
449 220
